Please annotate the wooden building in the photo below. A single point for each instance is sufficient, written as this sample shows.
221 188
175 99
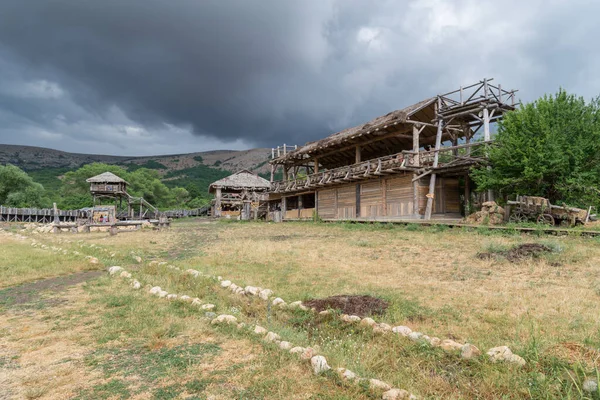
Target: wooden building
109 187
411 163
239 195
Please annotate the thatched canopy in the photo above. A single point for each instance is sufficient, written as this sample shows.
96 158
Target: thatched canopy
106 177
387 134
241 180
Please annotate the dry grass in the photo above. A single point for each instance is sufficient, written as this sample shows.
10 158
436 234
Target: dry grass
544 309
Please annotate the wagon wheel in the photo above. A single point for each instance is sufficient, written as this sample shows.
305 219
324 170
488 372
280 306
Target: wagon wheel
517 217
546 219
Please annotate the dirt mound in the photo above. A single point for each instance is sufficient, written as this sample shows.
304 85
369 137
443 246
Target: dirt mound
350 304
518 253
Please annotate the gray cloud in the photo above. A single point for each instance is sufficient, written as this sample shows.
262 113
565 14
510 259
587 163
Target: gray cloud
149 76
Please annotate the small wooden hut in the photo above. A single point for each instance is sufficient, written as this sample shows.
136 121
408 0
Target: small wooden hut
239 195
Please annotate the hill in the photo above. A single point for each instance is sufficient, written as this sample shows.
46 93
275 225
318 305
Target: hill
47 165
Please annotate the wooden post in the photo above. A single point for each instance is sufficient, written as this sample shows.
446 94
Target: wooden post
316 161
285 173
416 196
431 194
384 196
487 137
217 202
272 172
283 207
467 194
56 219
357 155
416 131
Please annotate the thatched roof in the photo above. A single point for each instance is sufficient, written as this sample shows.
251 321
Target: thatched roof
241 180
106 177
394 121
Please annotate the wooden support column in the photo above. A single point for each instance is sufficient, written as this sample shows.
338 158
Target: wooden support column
217 202
416 132
384 196
283 207
285 173
487 137
316 166
431 194
357 157
416 196
467 194
272 172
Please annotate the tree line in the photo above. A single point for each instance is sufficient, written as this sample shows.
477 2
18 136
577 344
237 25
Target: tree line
18 189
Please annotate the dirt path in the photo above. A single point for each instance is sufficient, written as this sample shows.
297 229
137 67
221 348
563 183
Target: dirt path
32 292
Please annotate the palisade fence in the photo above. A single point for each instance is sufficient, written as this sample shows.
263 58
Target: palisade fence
47 215
39 215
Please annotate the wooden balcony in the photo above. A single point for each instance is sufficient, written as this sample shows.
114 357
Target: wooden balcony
451 159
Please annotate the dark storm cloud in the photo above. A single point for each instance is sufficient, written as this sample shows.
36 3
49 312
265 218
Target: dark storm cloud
239 73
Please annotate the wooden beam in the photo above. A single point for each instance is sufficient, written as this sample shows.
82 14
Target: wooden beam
357 155
431 194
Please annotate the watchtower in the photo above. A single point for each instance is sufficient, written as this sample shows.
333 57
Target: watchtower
109 186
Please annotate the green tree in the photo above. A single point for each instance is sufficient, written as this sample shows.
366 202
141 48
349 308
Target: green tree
548 148
17 189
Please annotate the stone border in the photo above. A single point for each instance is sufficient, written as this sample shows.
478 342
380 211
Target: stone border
318 362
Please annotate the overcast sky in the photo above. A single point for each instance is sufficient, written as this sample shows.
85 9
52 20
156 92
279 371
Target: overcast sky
142 77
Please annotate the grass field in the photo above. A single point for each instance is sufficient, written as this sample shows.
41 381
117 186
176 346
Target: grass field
100 339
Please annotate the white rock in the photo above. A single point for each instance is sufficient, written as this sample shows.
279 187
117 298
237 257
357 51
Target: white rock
415 336
503 353
395 394
93 260
171 297
153 263
297 350
435 341
219 278
376 384
155 290
325 312
350 318
469 351
114 270
136 285
224 319
252 290
278 301
162 294
240 291
368 322
402 330
450 345
382 328
207 306
125 274
233 287
259 330
319 364
138 259
295 304
590 385
265 294
225 284
185 298
160 264
272 337
346 374
196 302
283 345
193 272
308 353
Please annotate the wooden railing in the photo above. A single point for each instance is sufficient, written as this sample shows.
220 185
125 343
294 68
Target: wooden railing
460 156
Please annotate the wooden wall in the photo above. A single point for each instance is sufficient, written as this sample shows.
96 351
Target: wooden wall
386 197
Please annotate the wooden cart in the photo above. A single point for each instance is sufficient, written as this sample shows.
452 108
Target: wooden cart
540 210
